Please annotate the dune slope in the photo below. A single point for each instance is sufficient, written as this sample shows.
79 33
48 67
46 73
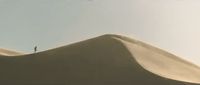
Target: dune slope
105 60
5 52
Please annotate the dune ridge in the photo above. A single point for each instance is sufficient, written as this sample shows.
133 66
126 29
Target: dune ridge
104 60
180 66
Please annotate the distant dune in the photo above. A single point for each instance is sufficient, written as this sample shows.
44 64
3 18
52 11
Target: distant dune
5 52
104 60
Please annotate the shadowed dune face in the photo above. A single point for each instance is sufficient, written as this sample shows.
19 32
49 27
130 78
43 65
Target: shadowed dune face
105 60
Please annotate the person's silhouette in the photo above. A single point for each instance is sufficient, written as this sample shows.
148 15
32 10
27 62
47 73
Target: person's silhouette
35 49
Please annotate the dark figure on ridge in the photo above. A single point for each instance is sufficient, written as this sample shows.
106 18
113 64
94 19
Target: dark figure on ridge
35 49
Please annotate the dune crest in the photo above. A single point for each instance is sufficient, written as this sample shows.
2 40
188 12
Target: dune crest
161 62
104 60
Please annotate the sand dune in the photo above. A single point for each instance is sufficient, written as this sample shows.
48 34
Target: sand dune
5 52
104 60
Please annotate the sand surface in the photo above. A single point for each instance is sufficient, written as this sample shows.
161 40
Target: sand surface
104 60
5 52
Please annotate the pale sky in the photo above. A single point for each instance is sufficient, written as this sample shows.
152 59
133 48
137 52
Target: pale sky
173 25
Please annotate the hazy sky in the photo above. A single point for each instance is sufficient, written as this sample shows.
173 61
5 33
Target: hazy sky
173 25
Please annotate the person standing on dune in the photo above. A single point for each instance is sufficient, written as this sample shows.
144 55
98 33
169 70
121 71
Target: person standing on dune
35 49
